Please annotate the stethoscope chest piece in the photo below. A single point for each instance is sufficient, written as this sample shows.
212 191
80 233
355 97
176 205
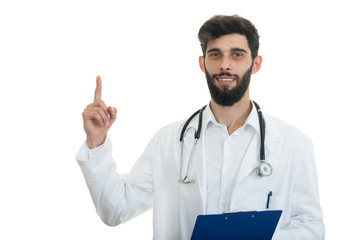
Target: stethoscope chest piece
264 169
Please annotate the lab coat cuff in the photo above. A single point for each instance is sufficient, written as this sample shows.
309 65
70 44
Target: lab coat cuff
86 154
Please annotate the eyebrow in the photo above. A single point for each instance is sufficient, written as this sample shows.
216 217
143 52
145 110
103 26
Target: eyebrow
213 50
238 50
232 50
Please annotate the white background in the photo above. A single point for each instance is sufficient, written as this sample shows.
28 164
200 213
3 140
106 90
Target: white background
147 54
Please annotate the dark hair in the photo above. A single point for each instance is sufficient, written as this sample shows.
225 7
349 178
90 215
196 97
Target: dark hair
221 25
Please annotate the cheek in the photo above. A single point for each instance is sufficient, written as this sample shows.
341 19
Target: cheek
211 66
242 70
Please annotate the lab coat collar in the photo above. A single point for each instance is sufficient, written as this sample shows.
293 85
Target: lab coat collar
272 134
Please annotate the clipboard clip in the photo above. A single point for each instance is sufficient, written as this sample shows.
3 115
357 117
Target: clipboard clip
238 211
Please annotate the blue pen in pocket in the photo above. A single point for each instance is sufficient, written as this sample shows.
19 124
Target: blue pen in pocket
268 199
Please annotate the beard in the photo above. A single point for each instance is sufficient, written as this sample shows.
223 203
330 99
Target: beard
227 97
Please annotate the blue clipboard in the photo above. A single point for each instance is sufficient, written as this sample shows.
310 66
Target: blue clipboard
250 225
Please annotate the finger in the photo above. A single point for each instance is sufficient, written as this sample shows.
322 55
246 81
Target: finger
99 103
93 115
104 115
104 107
113 112
98 89
99 114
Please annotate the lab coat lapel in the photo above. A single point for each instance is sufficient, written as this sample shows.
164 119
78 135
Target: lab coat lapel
249 162
252 156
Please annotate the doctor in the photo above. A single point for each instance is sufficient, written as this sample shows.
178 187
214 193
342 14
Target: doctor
219 173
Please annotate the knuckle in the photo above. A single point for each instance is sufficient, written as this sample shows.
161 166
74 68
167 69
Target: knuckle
85 113
89 105
95 103
99 110
99 102
98 117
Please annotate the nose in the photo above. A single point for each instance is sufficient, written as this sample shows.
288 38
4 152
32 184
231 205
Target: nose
225 64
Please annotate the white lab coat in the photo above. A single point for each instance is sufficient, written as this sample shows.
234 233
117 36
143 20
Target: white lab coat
153 182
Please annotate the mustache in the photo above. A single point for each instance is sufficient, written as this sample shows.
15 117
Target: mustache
223 74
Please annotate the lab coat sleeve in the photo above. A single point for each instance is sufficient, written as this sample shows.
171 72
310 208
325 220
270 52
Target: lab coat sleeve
306 214
117 198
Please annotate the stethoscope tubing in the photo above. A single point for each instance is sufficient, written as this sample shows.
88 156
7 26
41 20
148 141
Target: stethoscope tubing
263 169
262 131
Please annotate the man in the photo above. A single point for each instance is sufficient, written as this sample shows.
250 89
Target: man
219 172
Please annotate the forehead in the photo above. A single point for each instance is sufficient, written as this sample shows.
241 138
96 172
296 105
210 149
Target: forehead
227 42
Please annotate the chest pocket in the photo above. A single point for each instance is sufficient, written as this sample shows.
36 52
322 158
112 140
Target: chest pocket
276 202
258 202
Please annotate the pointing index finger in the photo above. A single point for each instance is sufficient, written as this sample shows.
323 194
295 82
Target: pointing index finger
98 89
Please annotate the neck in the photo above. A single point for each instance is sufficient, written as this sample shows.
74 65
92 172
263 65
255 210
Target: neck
234 116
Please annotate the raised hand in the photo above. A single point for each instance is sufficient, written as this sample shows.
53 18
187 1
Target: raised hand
98 118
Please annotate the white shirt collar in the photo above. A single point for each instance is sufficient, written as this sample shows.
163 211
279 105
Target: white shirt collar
252 120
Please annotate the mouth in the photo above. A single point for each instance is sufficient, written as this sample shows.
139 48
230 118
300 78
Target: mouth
225 80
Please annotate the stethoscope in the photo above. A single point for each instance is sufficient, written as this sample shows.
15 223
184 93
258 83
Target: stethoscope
263 169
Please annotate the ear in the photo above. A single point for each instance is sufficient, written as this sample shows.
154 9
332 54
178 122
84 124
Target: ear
202 63
257 64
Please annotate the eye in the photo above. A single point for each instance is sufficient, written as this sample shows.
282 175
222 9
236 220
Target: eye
214 54
237 54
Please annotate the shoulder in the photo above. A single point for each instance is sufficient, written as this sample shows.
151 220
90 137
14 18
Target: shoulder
277 129
170 131
289 143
